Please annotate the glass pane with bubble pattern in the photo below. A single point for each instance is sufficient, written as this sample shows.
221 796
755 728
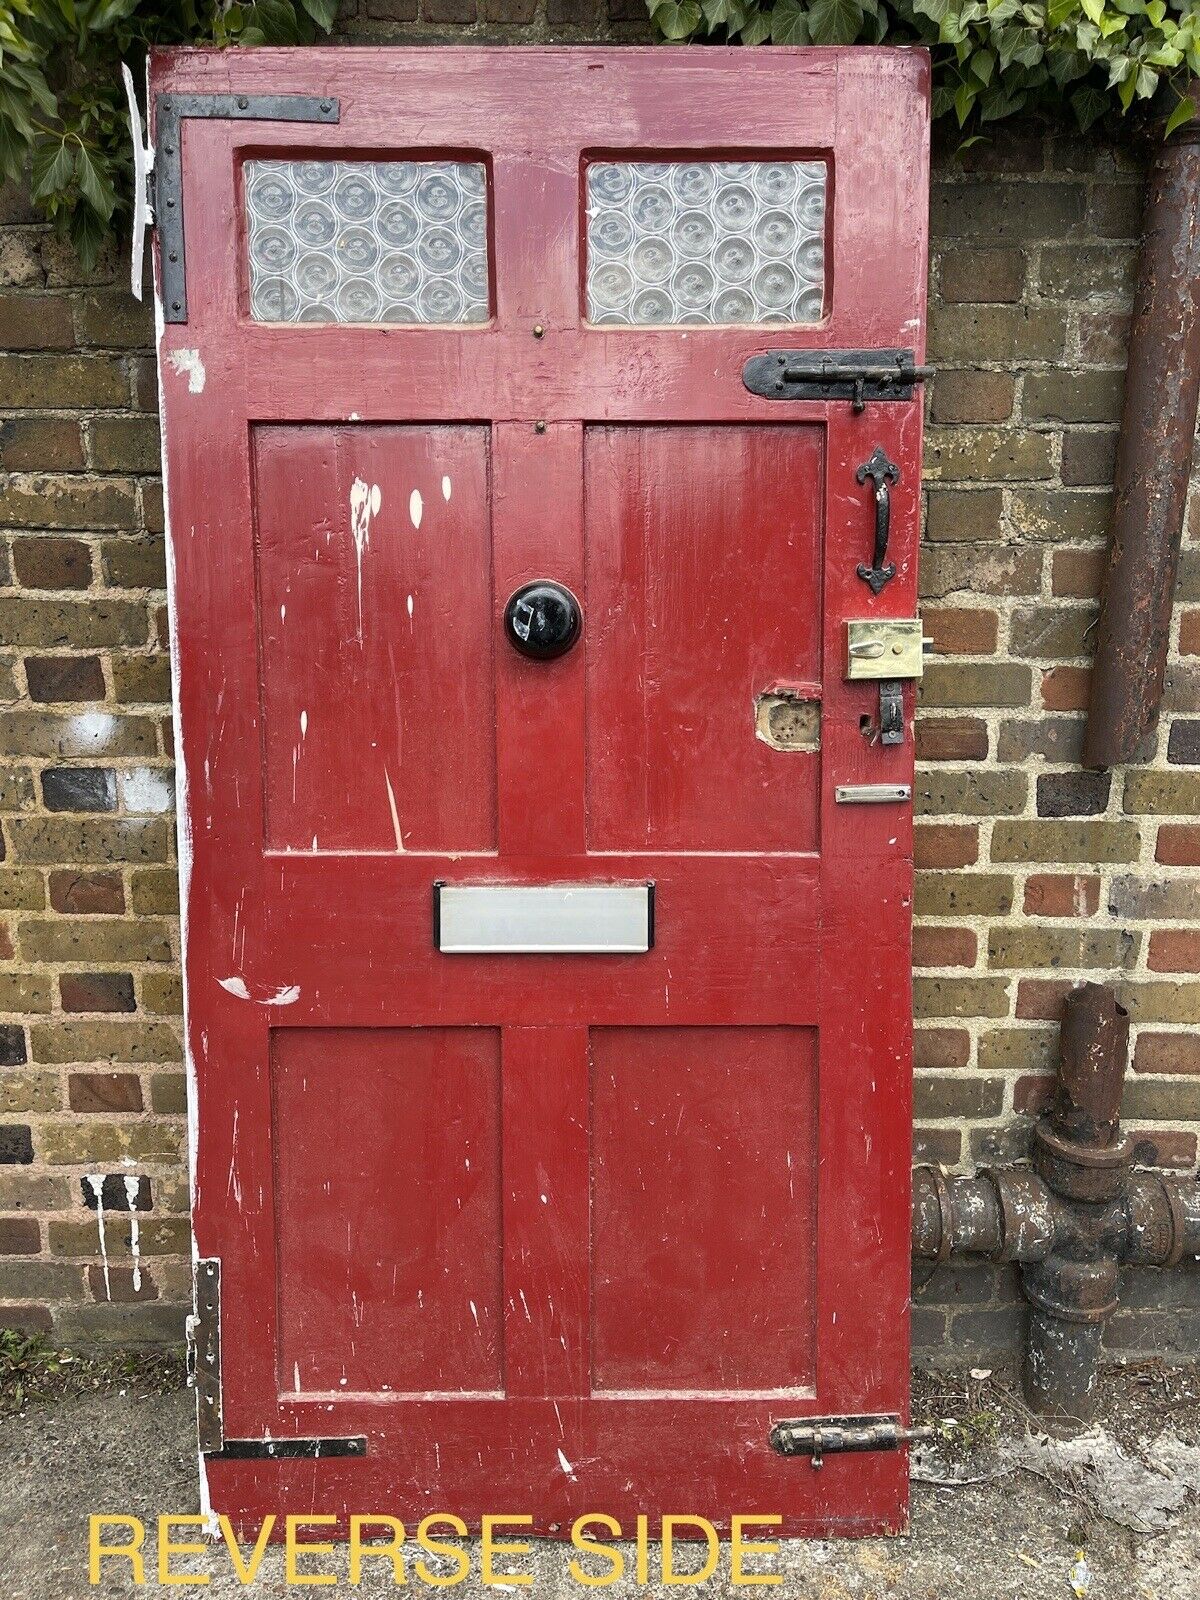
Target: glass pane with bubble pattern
706 241
367 241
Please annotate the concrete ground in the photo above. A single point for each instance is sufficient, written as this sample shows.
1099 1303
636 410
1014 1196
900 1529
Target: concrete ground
997 1512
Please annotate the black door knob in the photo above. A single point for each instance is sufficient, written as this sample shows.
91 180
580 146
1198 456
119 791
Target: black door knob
542 620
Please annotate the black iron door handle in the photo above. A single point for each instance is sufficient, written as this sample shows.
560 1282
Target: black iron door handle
882 473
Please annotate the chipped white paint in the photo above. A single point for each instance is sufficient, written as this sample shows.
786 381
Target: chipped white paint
391 794
95 1183
304 724
410 608
131 1192
286 996
283 612
416 508
296 1376
566 1465
365 500
446 489
147 791
187 364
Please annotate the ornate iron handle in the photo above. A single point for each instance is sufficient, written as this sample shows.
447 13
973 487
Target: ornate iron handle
881 472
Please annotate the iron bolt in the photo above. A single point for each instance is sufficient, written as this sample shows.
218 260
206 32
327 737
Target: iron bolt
242 102
539 427
538 330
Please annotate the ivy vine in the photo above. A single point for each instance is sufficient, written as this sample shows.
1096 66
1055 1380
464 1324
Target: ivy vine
62 107
991 58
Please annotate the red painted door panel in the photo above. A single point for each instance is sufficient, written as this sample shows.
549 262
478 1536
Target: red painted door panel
550 1233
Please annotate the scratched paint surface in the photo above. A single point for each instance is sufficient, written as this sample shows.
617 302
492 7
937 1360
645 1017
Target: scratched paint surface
703 567
563 1234
400 1289
712 1132
376 648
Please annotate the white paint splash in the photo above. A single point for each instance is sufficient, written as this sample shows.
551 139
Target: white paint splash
96 1184
446 489
410 607
286 996
187 364
566 1465
365 500
131 1194
391 794
416 508
303 724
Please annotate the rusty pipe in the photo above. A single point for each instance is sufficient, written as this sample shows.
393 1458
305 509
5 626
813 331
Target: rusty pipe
1154 457
1073 1218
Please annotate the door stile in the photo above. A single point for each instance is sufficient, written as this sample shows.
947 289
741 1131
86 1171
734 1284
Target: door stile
865 982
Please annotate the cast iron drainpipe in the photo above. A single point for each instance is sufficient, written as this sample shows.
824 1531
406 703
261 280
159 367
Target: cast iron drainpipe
1154 459
1073 1218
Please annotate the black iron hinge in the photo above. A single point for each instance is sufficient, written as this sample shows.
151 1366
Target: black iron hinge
854 375
204 1351
817 1437
290 1449
169 112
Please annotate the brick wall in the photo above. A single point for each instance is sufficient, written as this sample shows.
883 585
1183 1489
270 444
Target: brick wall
1032 874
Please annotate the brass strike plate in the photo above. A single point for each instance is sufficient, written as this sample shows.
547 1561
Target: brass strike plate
886 648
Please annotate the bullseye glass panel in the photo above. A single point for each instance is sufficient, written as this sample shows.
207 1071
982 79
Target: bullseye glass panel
367 241
706 241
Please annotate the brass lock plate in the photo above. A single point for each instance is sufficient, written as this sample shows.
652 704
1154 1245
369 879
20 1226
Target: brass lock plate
888 647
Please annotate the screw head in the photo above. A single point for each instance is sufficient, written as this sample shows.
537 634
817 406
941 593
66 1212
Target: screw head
242 102
539 427
176 305
325 106
538 330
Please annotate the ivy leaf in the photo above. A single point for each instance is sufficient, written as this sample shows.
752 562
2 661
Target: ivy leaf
729 14
110 12
983 63
1059 11
834 21
52 168
757 30
94 183
12 151
943 100
277 19
1183 112
677 19
964 99
789 23
1089 105
87 232
323 12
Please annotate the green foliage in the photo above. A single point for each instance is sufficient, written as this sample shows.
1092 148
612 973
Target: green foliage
62 107
991 58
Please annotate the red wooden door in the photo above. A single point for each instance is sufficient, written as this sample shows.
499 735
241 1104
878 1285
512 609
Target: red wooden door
546 1232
